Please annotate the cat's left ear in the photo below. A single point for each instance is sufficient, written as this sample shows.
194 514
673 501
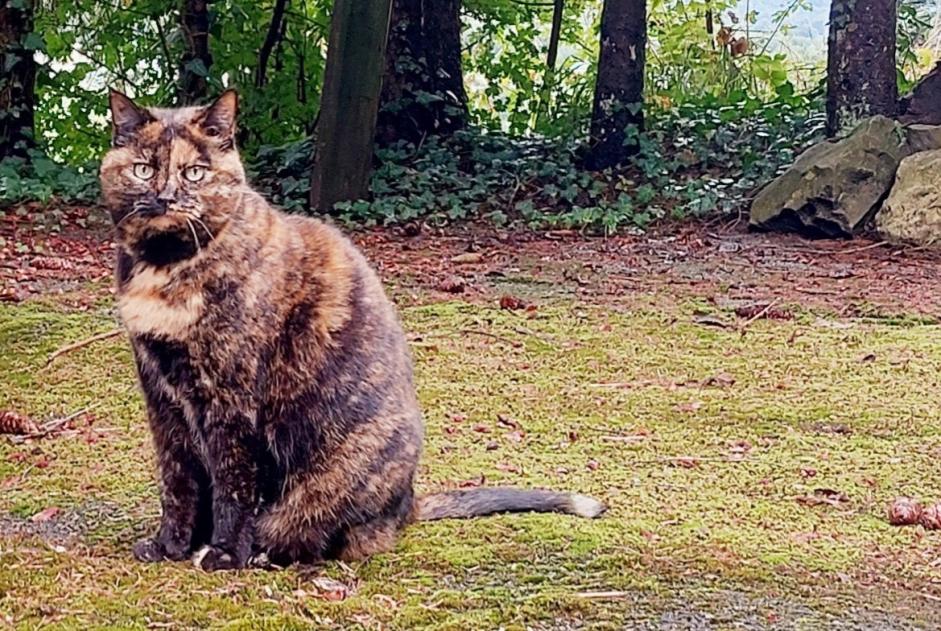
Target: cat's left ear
218 120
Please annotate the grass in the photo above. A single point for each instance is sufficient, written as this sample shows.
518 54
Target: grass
701 440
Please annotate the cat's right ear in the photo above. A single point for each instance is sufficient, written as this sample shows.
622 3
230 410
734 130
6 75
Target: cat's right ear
126 119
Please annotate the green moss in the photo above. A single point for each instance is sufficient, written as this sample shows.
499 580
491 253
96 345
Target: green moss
608 403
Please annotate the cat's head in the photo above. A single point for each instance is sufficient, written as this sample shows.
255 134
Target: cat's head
173 177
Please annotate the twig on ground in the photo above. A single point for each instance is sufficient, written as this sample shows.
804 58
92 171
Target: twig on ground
52 425
862 248
757 316
513 343
81 344
612 595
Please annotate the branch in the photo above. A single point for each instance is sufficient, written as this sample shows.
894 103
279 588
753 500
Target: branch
271 39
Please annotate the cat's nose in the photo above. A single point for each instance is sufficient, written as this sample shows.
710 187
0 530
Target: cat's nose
168 194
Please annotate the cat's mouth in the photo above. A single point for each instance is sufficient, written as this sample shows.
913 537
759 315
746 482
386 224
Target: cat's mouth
166 238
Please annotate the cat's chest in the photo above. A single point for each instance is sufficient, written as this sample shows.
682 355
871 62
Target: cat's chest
149 303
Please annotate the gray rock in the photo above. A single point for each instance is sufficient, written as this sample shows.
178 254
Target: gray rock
922 138
912 212
834 187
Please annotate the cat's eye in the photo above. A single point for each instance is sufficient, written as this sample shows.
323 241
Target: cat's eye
194 173
143 171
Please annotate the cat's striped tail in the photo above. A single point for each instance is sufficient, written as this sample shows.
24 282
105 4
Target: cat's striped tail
464 503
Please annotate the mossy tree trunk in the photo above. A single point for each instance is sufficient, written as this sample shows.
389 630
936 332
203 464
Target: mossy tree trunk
423 89
18 81
196 60
617 113
349 102
861 71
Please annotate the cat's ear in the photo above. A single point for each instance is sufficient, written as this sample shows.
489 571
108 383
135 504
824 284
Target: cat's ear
218 120
126 118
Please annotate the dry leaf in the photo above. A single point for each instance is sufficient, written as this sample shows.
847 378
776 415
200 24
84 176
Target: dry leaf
467 258
45 514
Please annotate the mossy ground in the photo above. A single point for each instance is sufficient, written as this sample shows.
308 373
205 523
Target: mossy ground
701 440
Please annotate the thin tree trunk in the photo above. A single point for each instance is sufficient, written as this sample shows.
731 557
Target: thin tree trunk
196 60
554 37
350 101
861 73
423 58
617 113
273 37
18 82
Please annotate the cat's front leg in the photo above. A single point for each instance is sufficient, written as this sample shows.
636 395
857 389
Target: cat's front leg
184 484
233 466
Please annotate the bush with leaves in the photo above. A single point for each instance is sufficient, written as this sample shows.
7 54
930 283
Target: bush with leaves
695 159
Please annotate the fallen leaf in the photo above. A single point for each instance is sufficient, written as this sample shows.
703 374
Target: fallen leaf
931 517
467 258
473 482
593 465
452 285
690 407
511 303
721 380
330 589
686 462
45 515
506 421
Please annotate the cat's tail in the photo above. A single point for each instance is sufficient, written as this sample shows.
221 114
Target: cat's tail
464 503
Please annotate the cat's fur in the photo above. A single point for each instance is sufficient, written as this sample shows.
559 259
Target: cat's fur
277 377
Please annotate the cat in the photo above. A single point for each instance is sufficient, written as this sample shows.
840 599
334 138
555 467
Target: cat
276 374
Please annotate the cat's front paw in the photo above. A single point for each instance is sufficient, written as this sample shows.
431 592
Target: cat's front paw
152 550
211 558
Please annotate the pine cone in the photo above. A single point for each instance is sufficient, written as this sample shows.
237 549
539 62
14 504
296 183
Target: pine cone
14 423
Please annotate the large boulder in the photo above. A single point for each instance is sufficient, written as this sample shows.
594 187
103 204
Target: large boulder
835 186
912 212
924 104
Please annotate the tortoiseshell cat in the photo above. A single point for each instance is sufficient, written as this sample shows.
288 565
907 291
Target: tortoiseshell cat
277 377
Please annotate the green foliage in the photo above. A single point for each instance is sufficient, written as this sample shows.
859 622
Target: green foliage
87 46
696 159
39 178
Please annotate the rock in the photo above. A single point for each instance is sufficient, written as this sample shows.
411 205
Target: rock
922 138
912 212
924 104
835 186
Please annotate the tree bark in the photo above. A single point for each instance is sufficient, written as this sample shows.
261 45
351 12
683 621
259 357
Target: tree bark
861 73
18 82
423 89
617 113
349 102
196 60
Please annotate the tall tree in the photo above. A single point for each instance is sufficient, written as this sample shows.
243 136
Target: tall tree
861 74
349 102
196 60
619 90
423 88
18 81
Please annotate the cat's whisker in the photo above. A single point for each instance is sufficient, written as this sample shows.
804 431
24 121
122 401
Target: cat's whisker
127 216
203 225
195 236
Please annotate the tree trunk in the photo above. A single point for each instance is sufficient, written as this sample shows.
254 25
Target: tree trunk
861 74
274 36
617 113
196 60
423 90
18 82
349 102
